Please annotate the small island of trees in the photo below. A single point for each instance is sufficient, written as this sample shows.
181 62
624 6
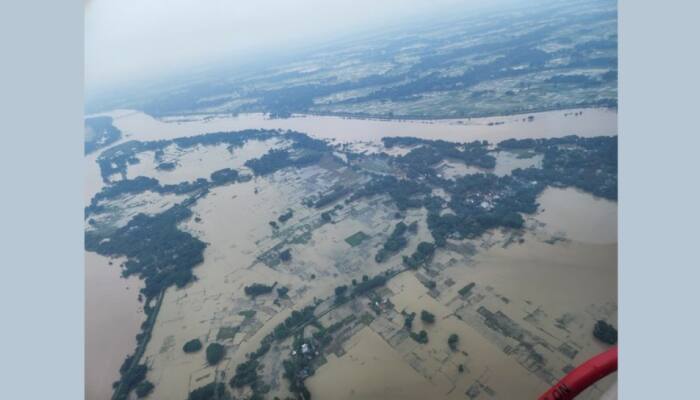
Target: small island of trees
208 392
257 289
215 352
420 337
286 255
452 341
427 317
282 292
224 176
395 243
408 320
286 216
605 332
143 389
166 166
192 346
423 253
340 294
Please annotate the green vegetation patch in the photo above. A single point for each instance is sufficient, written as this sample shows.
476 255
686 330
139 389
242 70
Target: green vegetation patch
368 284
257 289
143 389
286 216
227 332
395 243
466 291
192 346
452 341
427 317
356 238
366 318
246 374
420 337
303 238
248 314
408 320
605 332
215 352
206 392
423 253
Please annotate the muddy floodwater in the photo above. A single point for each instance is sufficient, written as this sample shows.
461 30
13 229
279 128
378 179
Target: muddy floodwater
113 317
578 215
561 273
591 122
370 369
554 290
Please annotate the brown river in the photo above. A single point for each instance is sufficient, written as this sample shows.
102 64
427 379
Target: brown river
113 316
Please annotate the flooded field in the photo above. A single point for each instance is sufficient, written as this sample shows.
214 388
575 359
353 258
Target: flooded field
197 163
233 221
579 216
370 369
550 293
120 211
546 285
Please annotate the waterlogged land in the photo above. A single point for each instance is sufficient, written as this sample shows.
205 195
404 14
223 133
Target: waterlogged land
481 235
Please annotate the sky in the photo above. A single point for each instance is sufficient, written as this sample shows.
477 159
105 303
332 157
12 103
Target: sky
127 41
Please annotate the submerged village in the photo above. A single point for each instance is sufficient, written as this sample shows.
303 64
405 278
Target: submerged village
276 265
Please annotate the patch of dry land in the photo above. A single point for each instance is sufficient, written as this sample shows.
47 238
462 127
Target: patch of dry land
503 244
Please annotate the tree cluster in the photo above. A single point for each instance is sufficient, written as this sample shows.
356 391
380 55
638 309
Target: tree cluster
257 289
208 392
420 337
394 243
452 341
427 317
605 332
224 176
405 193
332 196
423 253
215 352
156 249
143 389
192 346
408 320
286 216
369 284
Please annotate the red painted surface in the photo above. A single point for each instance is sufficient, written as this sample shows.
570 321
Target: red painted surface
583 376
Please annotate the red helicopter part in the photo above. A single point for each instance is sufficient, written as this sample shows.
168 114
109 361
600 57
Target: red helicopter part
583 376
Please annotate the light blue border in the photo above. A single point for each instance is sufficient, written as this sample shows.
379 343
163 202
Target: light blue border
659 202
41 206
